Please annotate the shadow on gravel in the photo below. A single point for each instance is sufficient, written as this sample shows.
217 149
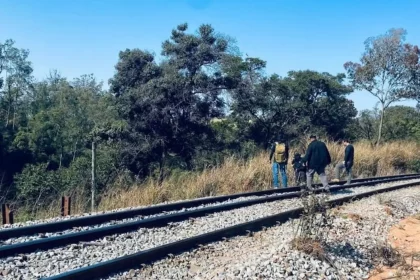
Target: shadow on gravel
345 191
349 252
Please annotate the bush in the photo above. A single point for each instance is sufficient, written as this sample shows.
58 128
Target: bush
414 165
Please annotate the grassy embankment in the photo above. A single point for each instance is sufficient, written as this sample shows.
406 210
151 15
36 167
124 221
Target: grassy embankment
236 175
233 176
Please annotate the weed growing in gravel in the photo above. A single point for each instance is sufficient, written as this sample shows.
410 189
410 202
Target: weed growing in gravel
310 247
313 226
315 219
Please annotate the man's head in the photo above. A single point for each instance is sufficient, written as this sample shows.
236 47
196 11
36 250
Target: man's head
346 142
312 138
280 139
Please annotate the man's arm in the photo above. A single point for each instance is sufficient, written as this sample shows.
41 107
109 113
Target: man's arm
308 154
347 154
287 151
272 152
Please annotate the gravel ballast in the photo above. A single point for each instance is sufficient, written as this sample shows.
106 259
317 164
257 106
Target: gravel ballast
42 235
268 254
59 260
122 221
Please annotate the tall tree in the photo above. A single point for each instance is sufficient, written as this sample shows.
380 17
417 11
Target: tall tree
16 80
266 107
321 100
169 106
385 70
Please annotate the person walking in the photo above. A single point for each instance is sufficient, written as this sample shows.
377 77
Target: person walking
279 156
347 164
317 158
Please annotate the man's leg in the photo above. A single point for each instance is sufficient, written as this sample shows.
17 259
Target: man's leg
323 177
309 178
337 170
349 175
302 177
283 173
275 175
301 181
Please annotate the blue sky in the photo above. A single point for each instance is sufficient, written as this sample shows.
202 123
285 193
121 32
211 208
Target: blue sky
84 36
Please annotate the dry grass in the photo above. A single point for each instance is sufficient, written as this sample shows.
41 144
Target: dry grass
309 246
388 211
236 175
233 176
354 217
385 255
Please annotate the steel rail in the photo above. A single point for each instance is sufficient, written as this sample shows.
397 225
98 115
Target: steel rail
104 269
93 234
151 210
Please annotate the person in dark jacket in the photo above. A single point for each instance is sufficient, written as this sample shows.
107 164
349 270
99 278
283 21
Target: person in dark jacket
317 158
299 168
347 163
279 155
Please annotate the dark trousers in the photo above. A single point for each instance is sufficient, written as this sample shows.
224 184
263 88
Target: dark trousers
299 177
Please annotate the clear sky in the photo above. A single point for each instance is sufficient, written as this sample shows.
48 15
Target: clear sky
84 36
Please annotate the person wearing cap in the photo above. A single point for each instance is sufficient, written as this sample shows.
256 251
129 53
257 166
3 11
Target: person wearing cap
279 156
317 158
347 163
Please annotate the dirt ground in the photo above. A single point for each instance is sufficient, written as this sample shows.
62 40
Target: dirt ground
405 238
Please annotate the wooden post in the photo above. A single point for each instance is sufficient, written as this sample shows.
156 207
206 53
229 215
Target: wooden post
7 214
93 187
65 205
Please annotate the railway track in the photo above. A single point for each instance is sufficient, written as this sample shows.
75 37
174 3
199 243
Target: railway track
159 209
14 245
151 254
104 269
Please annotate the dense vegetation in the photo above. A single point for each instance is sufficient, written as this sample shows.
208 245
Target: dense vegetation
202 102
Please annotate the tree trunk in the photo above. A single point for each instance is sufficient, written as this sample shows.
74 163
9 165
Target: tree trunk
74 151
8 107
15 109
61 159
381 123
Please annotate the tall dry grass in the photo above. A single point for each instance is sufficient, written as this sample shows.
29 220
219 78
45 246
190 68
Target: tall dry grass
237 175
233 176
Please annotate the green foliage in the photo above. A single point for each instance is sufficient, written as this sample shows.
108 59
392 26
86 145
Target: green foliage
414 166
400 123
168 106
303 102
36 181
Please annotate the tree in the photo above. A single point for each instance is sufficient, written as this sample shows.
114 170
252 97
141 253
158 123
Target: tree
402 123
266 107
367 125
168 106
386 70
16 81
321 99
